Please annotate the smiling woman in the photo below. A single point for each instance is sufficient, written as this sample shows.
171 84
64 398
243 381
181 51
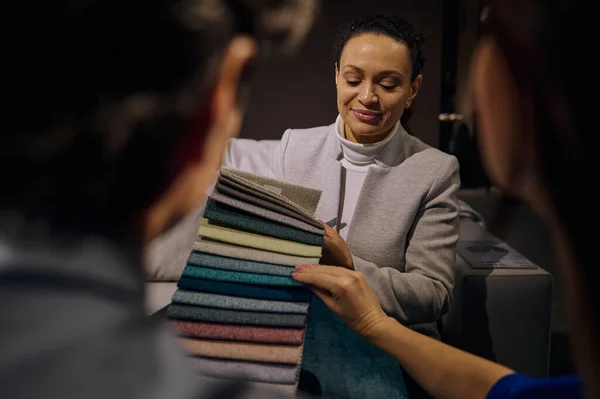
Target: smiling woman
389 200
375 84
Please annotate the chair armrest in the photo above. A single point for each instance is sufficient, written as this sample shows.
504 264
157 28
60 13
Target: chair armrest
501 314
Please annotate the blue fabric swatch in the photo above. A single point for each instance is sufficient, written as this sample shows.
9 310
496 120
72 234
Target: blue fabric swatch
243 290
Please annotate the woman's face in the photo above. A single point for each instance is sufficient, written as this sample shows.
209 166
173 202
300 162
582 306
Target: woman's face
373 85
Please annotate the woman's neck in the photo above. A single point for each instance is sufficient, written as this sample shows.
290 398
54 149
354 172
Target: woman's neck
364 139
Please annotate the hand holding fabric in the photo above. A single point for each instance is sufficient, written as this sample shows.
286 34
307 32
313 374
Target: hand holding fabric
346 293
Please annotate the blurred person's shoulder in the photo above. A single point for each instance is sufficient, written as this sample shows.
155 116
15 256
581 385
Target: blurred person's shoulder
74 325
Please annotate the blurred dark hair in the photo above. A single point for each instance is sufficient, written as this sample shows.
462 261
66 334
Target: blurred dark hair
391 26
96 94
551 49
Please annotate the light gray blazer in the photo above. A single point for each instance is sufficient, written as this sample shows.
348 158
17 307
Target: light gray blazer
404 231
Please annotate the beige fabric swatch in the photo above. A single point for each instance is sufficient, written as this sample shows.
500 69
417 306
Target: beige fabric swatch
267 353
246 239
256 255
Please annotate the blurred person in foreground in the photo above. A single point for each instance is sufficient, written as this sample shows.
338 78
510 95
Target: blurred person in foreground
538 133
113 119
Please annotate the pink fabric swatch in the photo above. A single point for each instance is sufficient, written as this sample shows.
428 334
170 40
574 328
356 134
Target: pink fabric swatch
271 335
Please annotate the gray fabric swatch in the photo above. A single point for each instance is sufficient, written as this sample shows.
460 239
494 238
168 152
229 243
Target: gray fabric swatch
250 371
186 297
223 316
304 199
235 251
265 213
262 203
262 194
238 265
269 390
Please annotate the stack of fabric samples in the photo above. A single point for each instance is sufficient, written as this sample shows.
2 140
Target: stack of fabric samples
238 310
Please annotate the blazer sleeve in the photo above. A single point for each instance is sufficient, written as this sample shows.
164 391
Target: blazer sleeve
423 292
278 163
253 156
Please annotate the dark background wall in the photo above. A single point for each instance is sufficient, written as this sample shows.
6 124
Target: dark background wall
300 92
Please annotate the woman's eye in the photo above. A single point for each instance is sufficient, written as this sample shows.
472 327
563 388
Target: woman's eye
353 82
389 87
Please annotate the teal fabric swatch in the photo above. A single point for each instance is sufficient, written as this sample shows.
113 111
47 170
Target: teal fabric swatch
238 265
239 277
338 363
209 300
245 290
228 216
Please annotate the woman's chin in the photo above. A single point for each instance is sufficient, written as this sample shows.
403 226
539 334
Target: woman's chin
366 130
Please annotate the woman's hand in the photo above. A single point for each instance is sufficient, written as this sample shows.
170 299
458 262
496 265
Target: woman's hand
335 250
348 294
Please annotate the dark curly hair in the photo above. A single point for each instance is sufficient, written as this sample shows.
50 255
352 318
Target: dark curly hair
386 25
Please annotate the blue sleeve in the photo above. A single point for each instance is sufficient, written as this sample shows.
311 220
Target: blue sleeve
517 386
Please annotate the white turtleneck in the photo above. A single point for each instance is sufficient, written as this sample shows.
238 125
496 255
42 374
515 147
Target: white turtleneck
358 158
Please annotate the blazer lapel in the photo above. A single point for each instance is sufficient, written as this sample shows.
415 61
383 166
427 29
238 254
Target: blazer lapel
331 169
373 191
367 199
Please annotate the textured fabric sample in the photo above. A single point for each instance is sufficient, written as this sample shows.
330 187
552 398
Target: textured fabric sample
185 297
264 204
245 239
365 372
302 199
264 195
225 316
267 213
240 277
246 291
250 371
283 391
244 351
235 251
224 332
230 216
234 215
238 265
267 390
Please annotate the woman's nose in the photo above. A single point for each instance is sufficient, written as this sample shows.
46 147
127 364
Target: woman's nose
368 95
